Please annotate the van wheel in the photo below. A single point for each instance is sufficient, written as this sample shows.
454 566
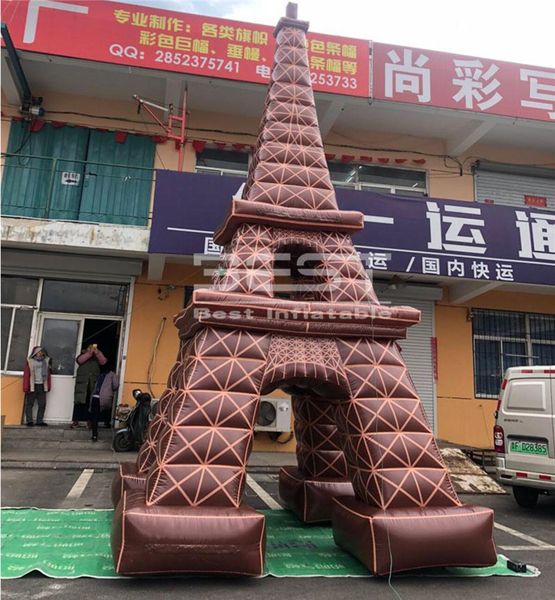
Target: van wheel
525 496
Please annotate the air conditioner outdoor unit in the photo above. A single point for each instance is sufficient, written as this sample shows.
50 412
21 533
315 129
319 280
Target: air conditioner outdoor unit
274 415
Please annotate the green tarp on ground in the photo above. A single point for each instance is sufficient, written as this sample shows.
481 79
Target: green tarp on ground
76 543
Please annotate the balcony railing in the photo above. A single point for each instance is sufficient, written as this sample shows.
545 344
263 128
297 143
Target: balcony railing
97 192
383 188
75 190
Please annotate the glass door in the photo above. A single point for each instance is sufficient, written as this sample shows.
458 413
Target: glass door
61 336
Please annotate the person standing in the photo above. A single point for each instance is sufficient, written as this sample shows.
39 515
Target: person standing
36 384
90 360
102 397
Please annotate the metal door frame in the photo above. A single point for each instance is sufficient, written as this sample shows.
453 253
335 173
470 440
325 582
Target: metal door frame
118 361
42 315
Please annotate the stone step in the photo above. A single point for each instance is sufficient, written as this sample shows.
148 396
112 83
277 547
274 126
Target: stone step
53 438
52 432
104 444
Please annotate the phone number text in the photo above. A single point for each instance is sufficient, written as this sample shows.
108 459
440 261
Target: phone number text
195 61
336 81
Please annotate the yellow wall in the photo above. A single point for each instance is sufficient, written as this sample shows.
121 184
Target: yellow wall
5 131
461 417
154 301
12 399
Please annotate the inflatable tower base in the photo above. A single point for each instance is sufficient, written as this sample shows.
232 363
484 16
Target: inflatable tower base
170 539
403 539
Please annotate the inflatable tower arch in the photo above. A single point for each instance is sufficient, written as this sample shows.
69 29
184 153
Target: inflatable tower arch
367 458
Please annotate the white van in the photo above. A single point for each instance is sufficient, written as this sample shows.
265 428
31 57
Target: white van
524 432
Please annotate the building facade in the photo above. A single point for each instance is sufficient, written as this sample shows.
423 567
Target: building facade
108 214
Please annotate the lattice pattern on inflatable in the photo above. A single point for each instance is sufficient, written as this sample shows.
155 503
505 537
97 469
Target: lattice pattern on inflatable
147 452
312 359
289 128
201 452
319 444
389 445
248 264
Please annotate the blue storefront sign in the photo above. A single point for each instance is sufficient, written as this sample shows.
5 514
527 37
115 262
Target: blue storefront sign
428 236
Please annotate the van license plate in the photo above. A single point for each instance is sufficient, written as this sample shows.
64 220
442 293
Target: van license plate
520 447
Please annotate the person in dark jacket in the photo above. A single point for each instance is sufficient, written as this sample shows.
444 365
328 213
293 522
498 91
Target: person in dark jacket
36 384
90 360
102 398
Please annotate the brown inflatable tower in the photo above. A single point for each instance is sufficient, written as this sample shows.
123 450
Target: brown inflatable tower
367 456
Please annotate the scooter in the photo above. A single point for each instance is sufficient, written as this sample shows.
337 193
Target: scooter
135 423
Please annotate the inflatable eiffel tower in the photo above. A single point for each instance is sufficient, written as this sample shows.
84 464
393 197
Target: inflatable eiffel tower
367 458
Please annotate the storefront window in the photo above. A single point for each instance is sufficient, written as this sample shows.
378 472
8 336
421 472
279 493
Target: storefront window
86 298
404 182
542 326
19 290
19 299
6 326
19 343
505 339
20 303
223 162
16 333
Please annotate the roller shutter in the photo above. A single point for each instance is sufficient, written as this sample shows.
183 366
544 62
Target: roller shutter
510 188
417 350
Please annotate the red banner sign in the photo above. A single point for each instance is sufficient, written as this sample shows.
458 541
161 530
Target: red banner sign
540 201
479 85
141 36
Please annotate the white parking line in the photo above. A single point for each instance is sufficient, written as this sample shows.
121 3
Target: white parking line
536 544
533 548
79 486
263 494
522 536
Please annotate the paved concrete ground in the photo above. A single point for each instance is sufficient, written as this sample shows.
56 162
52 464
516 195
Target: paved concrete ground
59 447
98 458
527 535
